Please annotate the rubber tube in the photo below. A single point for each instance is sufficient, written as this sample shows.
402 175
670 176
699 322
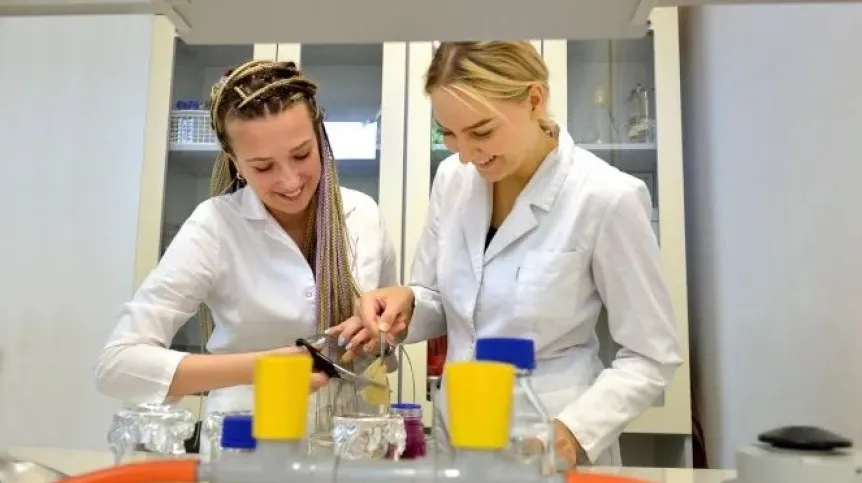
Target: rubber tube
153 471
575 477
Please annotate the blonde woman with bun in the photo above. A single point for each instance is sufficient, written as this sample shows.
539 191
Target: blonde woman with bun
528 235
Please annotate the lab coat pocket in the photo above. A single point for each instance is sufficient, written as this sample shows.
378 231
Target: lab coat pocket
548 282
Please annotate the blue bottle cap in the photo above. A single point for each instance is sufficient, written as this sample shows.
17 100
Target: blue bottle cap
405 406
236 432
521 353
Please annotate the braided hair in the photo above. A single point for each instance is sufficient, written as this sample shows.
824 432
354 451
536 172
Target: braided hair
259 89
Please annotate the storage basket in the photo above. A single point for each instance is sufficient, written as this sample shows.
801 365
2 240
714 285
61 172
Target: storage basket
190 127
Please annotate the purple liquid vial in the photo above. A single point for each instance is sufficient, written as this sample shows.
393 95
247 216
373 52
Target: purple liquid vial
415 446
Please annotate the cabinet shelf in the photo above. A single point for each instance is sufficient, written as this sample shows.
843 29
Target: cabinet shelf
618 146
195 147
590 147
197 160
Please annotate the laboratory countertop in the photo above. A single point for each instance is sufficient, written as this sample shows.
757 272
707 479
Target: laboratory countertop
80 461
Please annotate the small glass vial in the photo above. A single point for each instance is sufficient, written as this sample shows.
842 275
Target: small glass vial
415 446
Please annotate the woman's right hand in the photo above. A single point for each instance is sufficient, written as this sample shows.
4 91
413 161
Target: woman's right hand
197 373
388 309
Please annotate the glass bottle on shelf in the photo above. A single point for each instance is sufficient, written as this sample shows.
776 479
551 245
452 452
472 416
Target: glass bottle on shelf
602 121
640 126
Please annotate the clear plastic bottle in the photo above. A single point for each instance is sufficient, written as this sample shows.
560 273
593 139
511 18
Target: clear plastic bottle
531 439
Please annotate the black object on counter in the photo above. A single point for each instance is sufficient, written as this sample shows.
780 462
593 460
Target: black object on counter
193 444
805 438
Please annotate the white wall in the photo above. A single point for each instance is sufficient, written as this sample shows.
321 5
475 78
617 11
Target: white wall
773 112
72 108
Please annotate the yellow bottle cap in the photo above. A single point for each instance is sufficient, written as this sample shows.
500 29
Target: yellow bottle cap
281 387
479 395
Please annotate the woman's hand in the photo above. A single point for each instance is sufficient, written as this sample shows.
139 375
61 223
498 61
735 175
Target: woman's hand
198 373
388 310
318 380
566 445
354 338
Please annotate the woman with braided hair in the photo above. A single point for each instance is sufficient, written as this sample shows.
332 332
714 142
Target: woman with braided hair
279 252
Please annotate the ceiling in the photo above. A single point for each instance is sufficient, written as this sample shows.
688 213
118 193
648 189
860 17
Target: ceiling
373 21
220 22
312 54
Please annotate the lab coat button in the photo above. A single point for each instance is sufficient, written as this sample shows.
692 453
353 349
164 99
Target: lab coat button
309 293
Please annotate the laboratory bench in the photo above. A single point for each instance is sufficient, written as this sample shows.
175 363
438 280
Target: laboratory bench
80 461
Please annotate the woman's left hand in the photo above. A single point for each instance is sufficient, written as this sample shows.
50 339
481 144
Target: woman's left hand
354 337
567 446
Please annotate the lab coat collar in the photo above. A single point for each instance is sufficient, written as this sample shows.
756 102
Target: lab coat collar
540 193
252 208
549 179
475 218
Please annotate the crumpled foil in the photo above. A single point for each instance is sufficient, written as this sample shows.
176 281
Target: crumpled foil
161 429
366 436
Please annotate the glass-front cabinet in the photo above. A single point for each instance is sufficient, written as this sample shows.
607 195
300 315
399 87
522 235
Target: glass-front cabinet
349 79
361 89
610 105
192 146
620 99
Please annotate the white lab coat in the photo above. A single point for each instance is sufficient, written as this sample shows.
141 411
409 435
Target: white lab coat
577 238
232 255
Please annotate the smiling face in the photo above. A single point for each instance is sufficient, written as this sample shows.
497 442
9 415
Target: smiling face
266 117
498 137
279 157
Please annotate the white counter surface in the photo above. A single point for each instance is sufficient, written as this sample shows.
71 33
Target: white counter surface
77 461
